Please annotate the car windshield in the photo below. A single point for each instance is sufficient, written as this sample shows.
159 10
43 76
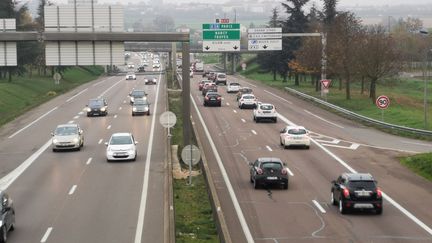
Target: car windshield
358 185
66 131
271 165
248 97
138 93
234 84
297 131
140 102
96 103
266 107
118 140
221 76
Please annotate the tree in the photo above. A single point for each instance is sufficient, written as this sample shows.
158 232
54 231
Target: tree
329 12
297 22
7 9
379 56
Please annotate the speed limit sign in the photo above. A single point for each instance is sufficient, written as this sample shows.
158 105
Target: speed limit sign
382 102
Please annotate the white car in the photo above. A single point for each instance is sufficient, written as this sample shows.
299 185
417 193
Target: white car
156 65
130 76
233 87
265 111
67 136
150 81
247 101
294 136
121 146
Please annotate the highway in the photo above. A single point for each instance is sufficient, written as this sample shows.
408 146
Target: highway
304 212
77 196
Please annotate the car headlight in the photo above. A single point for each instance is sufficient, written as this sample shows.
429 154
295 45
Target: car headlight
103 109
75 140
134 109
88 109
132 99
131 151
55 141
146 108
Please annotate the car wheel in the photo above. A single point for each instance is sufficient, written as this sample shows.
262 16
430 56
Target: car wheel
133 114
220 105
204 104
275 120
108 160
54 150
257 120
379 211
285 186
134 159
342 208
148 113
241 106
255 183
307 147
251 180
79 148
332 199
3 238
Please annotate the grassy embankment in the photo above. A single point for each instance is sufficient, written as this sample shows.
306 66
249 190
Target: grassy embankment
406 107
24 93
193 213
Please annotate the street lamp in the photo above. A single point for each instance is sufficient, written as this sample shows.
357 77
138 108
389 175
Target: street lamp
425 103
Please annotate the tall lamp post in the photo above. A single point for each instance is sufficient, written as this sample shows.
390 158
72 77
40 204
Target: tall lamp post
425 91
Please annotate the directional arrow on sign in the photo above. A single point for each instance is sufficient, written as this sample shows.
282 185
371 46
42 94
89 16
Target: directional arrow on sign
207 47
235 47
265 46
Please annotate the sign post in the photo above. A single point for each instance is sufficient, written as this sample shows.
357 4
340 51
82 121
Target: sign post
382 102
221 37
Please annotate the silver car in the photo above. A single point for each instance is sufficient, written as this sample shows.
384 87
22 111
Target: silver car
66 137
121 146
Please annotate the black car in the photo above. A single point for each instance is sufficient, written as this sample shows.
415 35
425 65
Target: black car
141 107
268 171
212 98
97 107
7 216
356 191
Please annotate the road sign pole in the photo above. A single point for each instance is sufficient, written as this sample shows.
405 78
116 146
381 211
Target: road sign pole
190 166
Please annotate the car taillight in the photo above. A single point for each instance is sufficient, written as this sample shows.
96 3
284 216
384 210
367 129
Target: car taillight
218 98
206 98
379 193
284 171
259 171
346 193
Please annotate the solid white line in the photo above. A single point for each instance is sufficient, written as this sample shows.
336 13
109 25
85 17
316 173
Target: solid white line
319 206
385 196
421 144
322 119
254 132
72 190
268 148
352 147
243 120
334 141
96 84
235 111
115 116
73 97
46 235
7 180
227 181
100 141
80 113
141 214
277 96
289 171
109 127
76 117
89 161
250 84
22 129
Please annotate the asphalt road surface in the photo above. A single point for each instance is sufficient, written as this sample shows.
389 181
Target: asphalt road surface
303 213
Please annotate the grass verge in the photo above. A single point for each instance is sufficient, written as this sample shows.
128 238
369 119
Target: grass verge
193 212
24 93
420 164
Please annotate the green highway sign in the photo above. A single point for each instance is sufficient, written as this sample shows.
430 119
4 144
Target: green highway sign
221 35
221 26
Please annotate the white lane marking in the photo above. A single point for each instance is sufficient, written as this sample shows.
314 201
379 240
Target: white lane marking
73 97
250 84
141 214
227 104
89 161
243 120
81 112
322 119
72 190
76 117
235 111
277 96
353 146
318 206
70 122
120 108
334 141
421 144
112 86
385 196
289 171
124 101
100 141
227 181
254 132
46 235
96 84
115 116
7 180
109 127
22 129
268 148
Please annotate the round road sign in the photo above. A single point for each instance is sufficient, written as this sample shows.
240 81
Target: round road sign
191 155
382 102
57 77
168 119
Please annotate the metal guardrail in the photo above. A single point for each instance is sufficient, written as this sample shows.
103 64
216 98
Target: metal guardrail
360 117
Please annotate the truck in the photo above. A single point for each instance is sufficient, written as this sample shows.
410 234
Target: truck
199 67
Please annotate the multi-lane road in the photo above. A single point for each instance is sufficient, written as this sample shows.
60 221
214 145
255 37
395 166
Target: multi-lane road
78 197
303 213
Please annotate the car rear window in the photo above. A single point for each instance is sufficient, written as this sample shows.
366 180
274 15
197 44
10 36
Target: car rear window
136 93
121 140
266 107
234 84
271 165
248 97
221 76
297 131
358 185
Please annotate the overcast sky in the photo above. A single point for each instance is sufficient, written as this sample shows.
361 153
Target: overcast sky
341 2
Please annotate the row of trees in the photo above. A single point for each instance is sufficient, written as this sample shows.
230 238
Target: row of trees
354 51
